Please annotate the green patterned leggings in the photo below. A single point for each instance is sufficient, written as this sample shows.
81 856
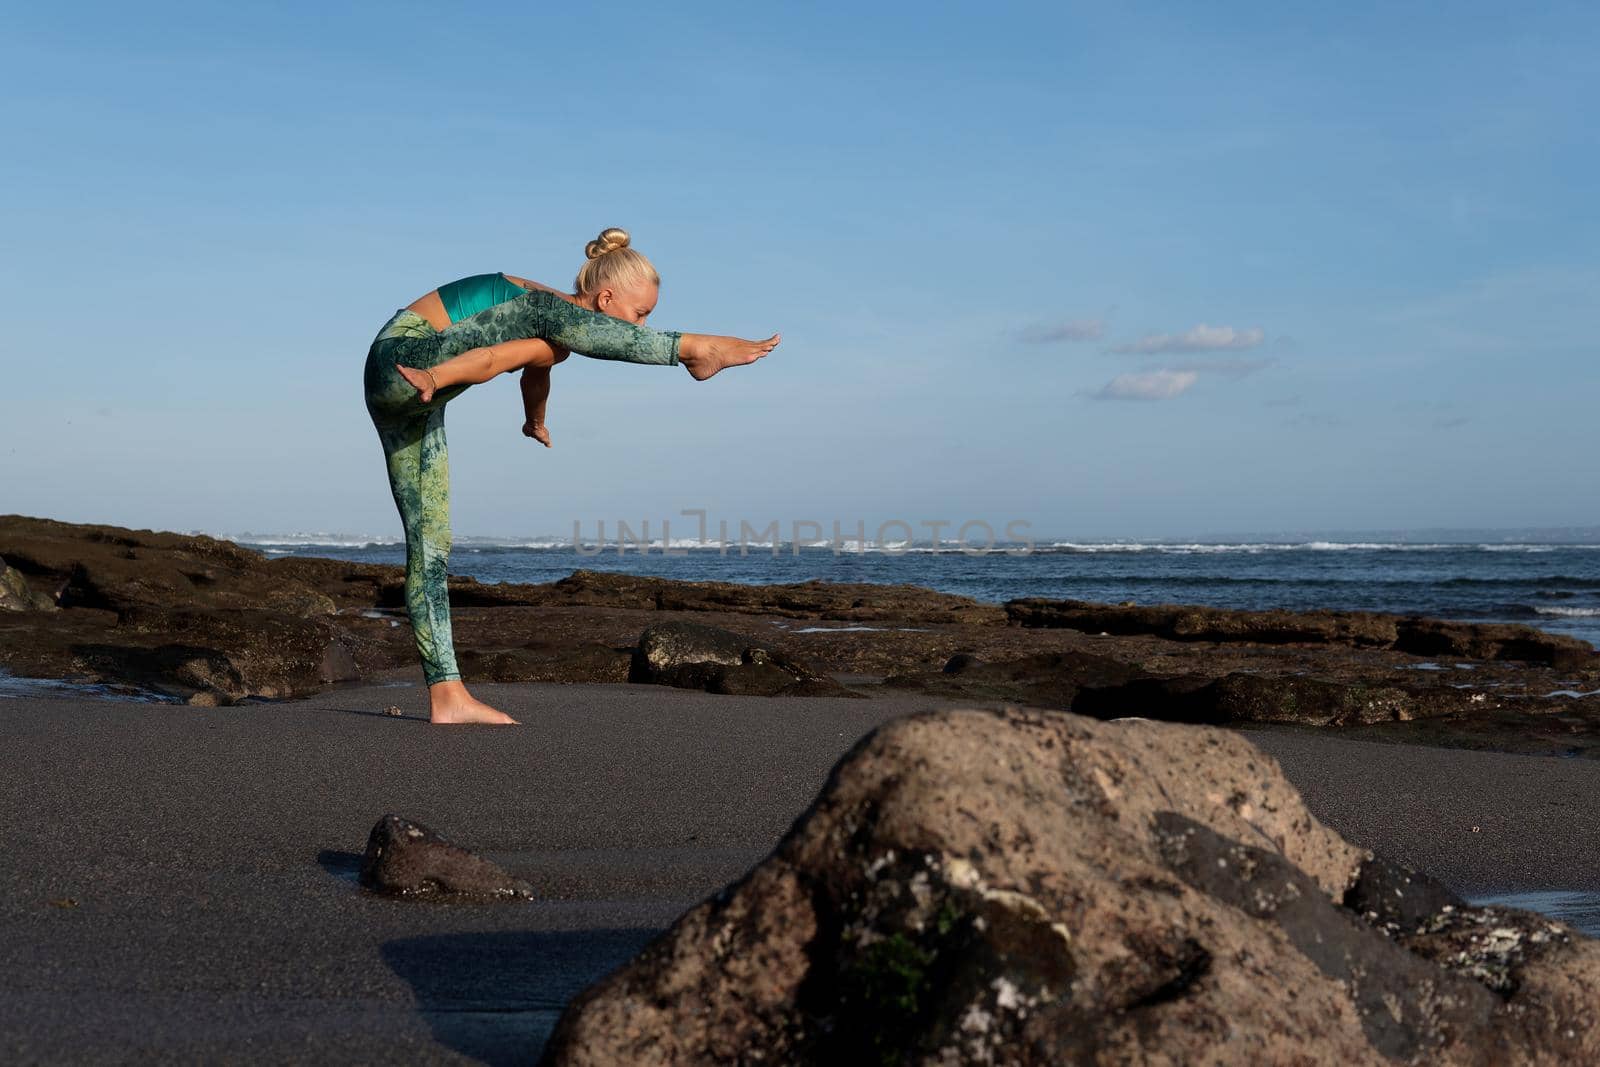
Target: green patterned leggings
412 433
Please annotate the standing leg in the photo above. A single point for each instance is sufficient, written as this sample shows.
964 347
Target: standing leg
419 476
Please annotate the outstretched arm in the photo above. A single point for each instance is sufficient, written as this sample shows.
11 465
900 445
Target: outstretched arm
567 325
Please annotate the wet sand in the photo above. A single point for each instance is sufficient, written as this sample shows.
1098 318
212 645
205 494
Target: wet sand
178 883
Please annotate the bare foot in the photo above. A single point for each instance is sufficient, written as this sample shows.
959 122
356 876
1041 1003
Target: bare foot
420 380
702 355
451 703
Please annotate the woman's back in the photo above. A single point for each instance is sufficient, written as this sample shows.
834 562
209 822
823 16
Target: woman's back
468 296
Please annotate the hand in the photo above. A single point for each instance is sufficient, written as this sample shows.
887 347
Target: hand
420 380
540 433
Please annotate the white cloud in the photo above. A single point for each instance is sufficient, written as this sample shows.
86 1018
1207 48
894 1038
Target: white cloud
1150 385
1201 338
1163 383
1071 330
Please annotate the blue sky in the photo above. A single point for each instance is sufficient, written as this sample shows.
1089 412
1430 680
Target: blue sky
1112 271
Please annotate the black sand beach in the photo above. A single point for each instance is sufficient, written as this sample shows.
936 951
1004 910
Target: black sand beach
179 883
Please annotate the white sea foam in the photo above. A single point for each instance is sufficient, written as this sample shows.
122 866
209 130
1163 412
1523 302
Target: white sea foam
302 540
855 546
1254 547
12 687
837 629
1574 613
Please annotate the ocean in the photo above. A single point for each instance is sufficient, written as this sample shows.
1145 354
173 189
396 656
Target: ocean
1555 587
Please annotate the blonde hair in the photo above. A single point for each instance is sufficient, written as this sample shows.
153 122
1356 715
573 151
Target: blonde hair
613 265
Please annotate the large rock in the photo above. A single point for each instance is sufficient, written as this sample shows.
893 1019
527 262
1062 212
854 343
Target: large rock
109 567
407 859
689 655
17 594
1355 629
1020 888
187 616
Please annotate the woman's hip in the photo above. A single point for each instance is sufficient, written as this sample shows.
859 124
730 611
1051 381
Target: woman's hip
408 340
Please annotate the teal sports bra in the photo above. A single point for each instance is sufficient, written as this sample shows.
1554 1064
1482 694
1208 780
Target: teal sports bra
478 293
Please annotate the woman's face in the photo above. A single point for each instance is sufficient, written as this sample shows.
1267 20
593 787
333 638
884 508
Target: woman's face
632 304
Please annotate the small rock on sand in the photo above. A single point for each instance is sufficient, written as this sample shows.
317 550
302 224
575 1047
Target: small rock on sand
405 858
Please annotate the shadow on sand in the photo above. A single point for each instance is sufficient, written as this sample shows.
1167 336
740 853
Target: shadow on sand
345 866
496 996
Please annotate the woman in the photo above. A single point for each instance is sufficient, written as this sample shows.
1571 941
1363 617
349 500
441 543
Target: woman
468 332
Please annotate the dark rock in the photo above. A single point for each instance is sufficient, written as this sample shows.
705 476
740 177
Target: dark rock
1050 680
961 663
337 664
1040 888
16 594
108 567
405 858
242 654
1406 1006
1396 898
1354 629
751 679
1107 687
1491 641
672 649
188 616
1240 698
1308 701
905 605
689 655
1187 698
1557 726
1190 623
547 661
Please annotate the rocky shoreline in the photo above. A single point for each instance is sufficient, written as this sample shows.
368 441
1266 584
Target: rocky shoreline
979 886
207 622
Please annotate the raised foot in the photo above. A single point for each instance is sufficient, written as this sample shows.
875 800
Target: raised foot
452 704
703 355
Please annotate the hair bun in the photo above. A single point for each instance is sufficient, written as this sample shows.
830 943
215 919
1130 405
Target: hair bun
610 239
